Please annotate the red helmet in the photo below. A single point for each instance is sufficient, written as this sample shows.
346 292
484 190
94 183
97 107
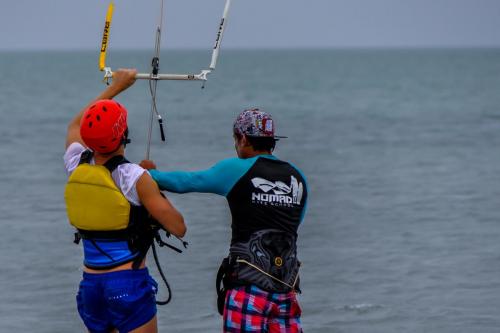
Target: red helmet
103 126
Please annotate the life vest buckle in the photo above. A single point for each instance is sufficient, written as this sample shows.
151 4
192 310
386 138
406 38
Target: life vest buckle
78 238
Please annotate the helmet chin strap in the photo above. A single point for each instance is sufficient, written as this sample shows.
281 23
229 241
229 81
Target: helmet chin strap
125 140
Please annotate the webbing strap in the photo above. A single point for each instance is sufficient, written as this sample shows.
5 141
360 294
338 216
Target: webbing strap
110 164
114 162
222 285
86 157
123 234
267 274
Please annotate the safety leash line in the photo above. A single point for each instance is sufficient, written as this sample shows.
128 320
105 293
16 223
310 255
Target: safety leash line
155 68
157 261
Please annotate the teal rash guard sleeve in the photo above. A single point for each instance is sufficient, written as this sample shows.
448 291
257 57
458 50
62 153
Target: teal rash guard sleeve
219 179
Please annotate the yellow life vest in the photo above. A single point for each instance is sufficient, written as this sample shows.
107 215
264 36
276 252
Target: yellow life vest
94 202
113 230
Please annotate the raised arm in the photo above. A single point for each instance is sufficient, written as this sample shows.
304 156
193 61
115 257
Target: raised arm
122 79
159 207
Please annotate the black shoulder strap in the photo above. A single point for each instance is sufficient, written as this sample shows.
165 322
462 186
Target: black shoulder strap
114 162
86 157
110 164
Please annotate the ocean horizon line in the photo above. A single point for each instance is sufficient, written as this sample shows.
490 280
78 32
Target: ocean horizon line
257 49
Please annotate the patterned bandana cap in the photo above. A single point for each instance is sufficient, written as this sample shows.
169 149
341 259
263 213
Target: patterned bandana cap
253 122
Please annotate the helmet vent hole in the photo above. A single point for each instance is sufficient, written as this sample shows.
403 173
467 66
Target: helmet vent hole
93 106
102 147
90 124
88 116
98 118
104 109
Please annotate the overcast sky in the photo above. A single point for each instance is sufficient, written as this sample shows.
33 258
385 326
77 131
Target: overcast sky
77 24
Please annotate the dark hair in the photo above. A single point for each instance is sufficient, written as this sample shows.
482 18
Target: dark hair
260 143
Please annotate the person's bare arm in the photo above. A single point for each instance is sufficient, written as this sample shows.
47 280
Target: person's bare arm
148 164
122 79
159 207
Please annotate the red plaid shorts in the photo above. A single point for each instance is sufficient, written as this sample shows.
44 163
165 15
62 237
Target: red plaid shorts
250 309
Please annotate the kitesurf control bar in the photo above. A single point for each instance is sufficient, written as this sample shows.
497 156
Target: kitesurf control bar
187 77
202 76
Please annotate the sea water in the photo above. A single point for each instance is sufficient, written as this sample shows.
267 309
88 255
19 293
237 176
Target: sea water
401 149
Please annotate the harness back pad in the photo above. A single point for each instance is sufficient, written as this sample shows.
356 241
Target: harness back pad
272 251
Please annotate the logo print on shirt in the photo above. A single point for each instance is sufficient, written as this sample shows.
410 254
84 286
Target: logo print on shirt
278 193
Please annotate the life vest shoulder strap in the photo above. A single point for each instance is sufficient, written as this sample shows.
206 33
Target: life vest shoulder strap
86 157
114 162
110 164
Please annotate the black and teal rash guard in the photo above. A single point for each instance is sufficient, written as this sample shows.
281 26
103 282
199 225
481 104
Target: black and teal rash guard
263 192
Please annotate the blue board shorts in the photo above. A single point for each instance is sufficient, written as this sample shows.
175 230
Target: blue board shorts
124 300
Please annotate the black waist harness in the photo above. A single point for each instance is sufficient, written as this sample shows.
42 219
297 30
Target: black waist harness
267 260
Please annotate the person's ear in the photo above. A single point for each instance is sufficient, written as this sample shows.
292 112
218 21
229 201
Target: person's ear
244 141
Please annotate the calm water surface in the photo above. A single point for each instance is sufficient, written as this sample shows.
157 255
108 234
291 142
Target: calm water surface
401 150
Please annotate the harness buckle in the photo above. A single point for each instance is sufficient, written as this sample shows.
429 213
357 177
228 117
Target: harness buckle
78 238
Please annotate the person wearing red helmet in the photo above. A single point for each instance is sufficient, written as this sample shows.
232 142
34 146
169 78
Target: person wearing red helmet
110 201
